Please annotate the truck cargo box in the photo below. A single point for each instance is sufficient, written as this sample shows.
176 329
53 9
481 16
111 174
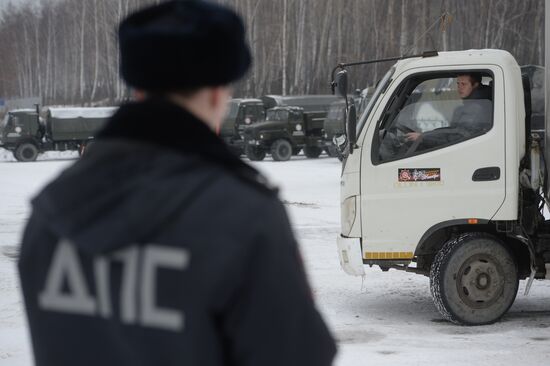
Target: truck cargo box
64 124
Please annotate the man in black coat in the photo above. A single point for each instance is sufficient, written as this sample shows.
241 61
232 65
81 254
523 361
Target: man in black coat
159 247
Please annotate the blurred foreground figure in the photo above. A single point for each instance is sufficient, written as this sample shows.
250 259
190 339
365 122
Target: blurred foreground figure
159 247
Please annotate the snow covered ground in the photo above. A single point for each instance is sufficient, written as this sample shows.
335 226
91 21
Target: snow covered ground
389 319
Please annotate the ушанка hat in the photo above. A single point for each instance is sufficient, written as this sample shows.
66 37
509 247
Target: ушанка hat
182 45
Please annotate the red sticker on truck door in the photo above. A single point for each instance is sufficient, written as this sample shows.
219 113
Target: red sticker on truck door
419 174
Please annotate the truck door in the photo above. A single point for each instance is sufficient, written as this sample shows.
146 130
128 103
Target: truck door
431 157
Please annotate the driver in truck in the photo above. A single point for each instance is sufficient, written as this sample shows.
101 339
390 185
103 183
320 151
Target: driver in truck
473 117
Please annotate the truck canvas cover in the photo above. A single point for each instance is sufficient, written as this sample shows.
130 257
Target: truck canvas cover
64 124
308 102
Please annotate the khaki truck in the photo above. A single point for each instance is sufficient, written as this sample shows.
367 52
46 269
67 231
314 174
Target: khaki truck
293 123
285 132
27 135
241 113
464 202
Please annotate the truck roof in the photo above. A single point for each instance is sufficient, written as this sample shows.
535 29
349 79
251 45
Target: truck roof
298 100
94 112
286 108
246 100
23 110
461 58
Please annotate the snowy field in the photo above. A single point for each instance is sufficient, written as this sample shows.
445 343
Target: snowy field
387 320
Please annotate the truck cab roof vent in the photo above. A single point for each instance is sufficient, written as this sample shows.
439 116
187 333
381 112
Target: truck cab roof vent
430 53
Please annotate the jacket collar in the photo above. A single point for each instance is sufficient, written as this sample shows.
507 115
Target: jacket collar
160 122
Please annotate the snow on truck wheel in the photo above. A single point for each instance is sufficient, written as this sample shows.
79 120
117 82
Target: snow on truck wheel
474 279
26 152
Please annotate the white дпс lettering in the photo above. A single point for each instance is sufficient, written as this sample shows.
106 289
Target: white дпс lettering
66 268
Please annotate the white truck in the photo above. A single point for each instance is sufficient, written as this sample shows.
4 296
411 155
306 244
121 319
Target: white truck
463 203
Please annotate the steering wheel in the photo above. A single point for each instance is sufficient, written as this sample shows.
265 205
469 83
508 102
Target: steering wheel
412 148
407 147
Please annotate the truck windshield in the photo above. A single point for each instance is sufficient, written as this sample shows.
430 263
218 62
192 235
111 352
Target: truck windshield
233 109
336 111
277 115
4 122
381 86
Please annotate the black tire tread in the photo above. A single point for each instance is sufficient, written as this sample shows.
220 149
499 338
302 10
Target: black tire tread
440 261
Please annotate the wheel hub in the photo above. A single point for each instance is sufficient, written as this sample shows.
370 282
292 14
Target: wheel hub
480 281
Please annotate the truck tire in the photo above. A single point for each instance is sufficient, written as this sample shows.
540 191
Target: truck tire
26 151
255 153
312 152
332 151
474 279
281 150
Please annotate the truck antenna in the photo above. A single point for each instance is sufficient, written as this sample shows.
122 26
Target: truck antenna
444 21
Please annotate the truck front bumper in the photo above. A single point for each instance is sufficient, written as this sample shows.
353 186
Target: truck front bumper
349 252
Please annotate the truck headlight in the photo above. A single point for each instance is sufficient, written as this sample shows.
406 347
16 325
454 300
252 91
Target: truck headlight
347 213
261 136
298 127
18 129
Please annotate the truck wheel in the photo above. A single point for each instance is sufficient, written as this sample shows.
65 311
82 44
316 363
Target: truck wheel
26 152
255 153
312 151
332 151
281 150
473 279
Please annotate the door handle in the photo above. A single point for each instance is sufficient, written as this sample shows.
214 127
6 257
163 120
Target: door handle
486 174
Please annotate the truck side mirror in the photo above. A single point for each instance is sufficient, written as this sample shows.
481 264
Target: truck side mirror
340 84
352 127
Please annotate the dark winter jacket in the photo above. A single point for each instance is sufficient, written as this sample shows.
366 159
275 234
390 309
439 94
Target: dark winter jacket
472 118
158 247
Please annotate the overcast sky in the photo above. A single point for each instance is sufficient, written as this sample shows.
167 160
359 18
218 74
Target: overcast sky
4 3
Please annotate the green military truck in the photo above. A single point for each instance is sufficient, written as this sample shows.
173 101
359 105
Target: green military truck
245 112
26 134
241 113
293 123
285 132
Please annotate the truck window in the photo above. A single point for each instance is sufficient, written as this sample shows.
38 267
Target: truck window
4 122
254 113
233 110
433 113
277 115
379 89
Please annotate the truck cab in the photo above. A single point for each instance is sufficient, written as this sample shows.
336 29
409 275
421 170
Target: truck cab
241 113
457 203
284 133
21 131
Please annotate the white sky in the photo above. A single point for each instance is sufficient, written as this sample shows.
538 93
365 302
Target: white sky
4 3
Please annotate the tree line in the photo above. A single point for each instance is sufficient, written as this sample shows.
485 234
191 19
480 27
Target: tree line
66 51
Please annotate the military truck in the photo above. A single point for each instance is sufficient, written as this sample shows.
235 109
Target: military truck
468 210
26 134
285 132
241 113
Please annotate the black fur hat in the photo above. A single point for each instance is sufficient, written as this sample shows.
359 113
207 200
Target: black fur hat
182 45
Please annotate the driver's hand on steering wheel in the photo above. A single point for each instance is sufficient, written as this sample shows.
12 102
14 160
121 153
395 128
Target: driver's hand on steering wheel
412 136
